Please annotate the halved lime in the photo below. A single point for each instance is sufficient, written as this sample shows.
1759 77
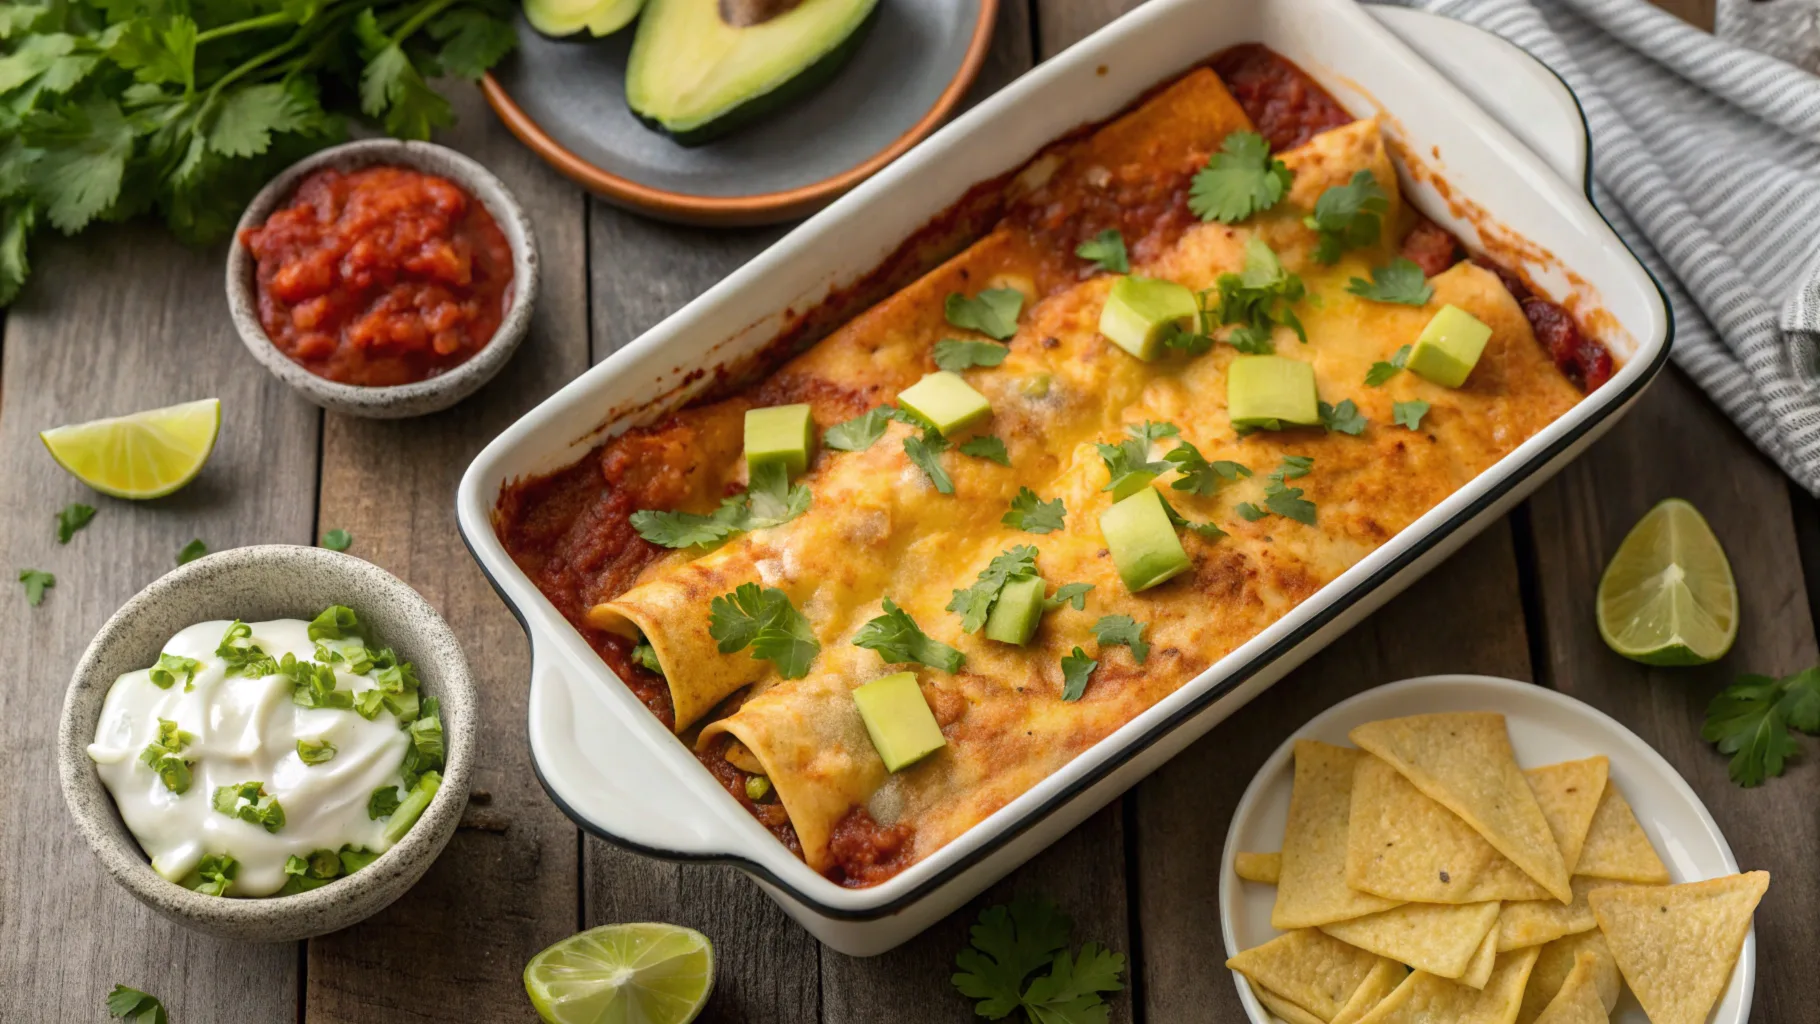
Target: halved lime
623 974
1668 598
145 455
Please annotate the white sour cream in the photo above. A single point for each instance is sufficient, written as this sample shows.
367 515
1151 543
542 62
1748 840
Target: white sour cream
245 730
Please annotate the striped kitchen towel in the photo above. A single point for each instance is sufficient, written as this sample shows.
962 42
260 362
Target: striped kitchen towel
1706 159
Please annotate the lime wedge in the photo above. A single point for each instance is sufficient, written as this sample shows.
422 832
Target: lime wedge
1668 598
145 455
623 974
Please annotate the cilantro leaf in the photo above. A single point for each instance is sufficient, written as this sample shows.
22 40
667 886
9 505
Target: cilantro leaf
1107 250
1383 371
84 151
190 552
1257 299
1199 476
955 355
1112 630
1034 515
1238 181
1348 216
1751 718
992 312
473 39
382 803
1208 530
926 453
898 639
337 540
1069 993
766 621
1007 944
1800 702
1409 414
1281 499
1295 466
975 603
988 447
860 432
1068 593
1344 418
1077 668
1151 430
769 501
36 583
1401 282
1127 460
71 518
1249 512
135 1007
315 751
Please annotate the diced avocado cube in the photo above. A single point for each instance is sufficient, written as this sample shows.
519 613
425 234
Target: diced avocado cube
781 433
945 400
1271 392
1142 540
902 727
1131 483
1141 311
1019 609
1449 347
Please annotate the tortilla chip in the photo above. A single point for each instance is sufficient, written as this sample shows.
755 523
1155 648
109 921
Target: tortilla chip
1569 793
1464 761
1676 944
1403 845
1425 999
1479 971
1617 847
1308 968
1283 1008
1557 961
1311 889
1534 922
1439 938
1258 867
1381 982
1578 1001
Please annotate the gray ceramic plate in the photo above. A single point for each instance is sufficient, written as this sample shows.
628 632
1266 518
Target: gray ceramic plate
565 98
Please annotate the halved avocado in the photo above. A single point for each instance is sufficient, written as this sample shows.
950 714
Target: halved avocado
701 68
567 17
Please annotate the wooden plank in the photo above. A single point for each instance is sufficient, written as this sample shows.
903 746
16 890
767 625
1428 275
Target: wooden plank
1062 23
110 325
1676 443
453 947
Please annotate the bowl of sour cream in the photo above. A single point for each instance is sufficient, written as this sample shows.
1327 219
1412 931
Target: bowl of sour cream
269 743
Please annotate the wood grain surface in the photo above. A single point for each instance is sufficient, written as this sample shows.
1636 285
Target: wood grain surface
1139 876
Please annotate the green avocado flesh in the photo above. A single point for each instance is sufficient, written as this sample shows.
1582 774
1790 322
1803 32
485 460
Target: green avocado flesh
1142 541
945 400
898 719
1449 347
695 76
1271 392
1141 311
567 17
780 433
1018 609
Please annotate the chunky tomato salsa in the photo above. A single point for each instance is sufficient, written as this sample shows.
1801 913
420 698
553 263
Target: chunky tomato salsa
382 276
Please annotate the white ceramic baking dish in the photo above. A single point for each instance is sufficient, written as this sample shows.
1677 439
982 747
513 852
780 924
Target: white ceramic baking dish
621 775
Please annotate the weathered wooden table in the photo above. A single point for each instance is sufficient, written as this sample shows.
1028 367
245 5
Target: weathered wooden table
127 319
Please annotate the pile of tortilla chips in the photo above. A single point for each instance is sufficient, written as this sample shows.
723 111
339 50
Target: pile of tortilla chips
1426 877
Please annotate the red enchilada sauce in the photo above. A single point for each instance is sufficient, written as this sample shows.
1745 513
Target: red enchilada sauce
570 531
382 276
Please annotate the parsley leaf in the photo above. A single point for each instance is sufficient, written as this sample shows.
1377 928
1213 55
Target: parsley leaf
954 355
1068 593
769 501
1401 282
1383 371
766 621
860 432
975 603
1238 181
988 447
1257 299
1112 630
1107 249
36 583
1034 515
897 639
1007 944
1344 418
337 540
1751 718
1409 414
1129 459
1077 668
926 453
992 312
1348 216
190 552
73 517
134 1006
1199 476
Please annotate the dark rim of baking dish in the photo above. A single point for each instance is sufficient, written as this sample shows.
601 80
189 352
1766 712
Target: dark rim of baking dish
1182 715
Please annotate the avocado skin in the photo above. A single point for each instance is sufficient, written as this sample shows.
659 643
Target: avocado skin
759 107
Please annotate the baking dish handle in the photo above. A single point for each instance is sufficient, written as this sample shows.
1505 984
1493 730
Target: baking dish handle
610 776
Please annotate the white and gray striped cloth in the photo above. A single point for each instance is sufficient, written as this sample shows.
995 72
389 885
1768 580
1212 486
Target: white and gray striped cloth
1706 158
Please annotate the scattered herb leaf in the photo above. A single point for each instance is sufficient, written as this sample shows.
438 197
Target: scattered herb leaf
1257 299
1199 476
1127 459
1401 282
988 447
36 583
1112 630
766 621
1751 719
73 517
992 312
1034 515
1107 249
898 639
170 666
1068 593
1409 414
1348 216
860 432
190 552
1151 430
954 355
1077 668
926 452
975 603
1238 181
1344 418
135 1007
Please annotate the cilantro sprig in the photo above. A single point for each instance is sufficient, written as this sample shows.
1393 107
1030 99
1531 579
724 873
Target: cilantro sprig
1114 630
1409 414
36 583
898 640
766 621
1344 418
769 501
1751 719
1128 463
992 312
72 517
1012 943
1077 669
1280 498
1257 299
1032 514
859 433
1401 282
135 1007
975 603
1382 370
955 355
1106 250
1238 181
1348 216
1198 476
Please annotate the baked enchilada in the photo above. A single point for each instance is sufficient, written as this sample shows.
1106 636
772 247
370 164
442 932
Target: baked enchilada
1196 363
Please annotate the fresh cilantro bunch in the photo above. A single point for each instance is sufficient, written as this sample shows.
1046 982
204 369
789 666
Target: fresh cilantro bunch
1751 719
1010 943
115 108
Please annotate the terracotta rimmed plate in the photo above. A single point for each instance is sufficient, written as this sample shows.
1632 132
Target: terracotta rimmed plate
565 98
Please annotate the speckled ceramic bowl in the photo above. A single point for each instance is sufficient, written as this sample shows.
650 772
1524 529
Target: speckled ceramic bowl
254 583
399 401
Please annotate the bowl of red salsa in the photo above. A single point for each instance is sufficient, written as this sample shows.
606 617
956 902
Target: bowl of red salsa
383 278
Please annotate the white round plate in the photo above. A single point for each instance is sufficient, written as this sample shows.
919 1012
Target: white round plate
1545 727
